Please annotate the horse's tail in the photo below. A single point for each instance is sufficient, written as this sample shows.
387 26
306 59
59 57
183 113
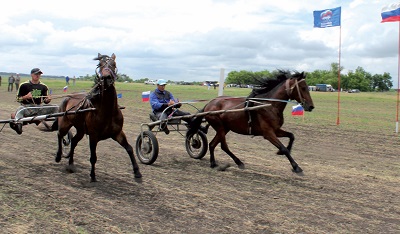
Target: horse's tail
195 123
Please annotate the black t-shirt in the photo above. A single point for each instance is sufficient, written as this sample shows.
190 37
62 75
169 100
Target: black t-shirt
39 91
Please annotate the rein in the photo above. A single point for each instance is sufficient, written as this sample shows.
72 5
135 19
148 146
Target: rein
2 127
104 65
58 96
290 89
91 93
257 100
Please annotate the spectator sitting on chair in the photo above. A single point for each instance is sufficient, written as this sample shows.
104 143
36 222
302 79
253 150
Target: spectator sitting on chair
31 95
161 99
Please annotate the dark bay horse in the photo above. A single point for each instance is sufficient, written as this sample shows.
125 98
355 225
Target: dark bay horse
266 121
103 123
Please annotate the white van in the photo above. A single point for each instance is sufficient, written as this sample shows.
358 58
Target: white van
150 82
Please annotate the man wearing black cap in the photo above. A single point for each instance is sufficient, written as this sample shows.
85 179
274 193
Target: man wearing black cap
32 94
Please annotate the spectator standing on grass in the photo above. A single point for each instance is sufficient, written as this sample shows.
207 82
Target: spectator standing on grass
67 80
0 80
11 80
17 81
73 80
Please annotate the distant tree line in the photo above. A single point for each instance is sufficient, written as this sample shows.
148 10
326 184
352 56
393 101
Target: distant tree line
121 78
358 79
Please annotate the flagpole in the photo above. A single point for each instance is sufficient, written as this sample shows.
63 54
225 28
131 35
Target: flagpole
391 13
340 46
331 18
398 84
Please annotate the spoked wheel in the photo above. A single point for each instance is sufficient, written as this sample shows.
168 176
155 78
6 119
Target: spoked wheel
66 144
197 145
147 147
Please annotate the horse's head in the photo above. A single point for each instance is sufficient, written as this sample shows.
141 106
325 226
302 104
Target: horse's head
107 67
297 89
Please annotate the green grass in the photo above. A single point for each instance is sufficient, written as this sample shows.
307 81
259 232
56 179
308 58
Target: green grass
375 112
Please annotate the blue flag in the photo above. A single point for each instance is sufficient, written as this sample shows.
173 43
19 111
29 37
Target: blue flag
119 95
327 18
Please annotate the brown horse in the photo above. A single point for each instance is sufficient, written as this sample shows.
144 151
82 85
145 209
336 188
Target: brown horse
104 122
266 121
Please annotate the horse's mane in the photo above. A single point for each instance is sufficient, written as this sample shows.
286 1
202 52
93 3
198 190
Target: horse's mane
267 84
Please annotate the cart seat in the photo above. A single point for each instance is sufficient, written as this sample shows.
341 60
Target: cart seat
154 118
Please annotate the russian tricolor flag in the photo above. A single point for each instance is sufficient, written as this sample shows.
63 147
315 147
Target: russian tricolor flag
391 13
297 110
65 88
145 96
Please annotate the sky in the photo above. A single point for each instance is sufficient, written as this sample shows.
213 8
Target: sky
191 40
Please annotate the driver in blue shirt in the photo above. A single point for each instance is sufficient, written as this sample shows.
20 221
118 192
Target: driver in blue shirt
160 100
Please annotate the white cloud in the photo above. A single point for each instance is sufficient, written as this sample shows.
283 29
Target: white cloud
192 39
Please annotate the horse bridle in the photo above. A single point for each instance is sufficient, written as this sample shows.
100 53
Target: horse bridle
100 82
289 89
106 66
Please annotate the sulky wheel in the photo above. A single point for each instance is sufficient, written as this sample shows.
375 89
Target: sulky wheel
66 144
196 145
147 147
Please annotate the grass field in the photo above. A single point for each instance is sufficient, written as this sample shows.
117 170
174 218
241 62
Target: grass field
375 112
349 185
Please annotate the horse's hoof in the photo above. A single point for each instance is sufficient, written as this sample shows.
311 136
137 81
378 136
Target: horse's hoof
279 152
71 168
92 180
241 166
213 165
58 158
297 169
138 180
138 175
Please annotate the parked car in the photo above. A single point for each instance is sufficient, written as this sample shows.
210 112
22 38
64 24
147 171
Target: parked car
150 82
324 88
354 91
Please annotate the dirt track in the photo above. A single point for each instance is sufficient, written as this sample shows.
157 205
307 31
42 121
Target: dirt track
350 185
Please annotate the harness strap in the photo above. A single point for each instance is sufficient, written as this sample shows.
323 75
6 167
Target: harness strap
289 88
247 104
2 127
